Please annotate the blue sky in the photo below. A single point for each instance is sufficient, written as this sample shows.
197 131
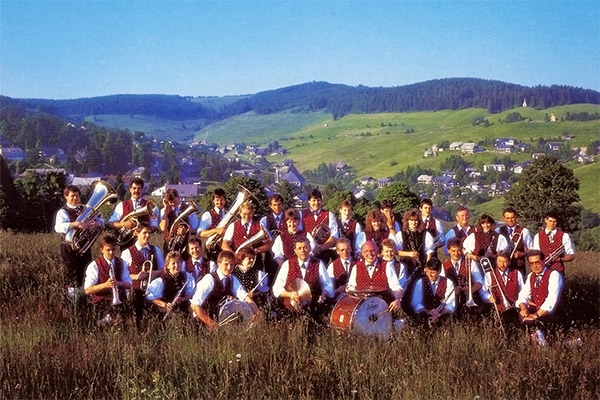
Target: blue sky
70 49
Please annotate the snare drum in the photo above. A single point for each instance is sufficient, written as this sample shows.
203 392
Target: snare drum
363 315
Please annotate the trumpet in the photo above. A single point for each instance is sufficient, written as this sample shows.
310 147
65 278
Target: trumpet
487 267
147 267
554 255
115 290
177 240
124 235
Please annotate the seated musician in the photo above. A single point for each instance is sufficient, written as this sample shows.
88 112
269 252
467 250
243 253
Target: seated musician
503 284
173 207
316 217
387 208
196 264
251 277
173 288
347 226
66 219
462 229
516 235
138 256
485 241
283 246
433 297
432 225
372 275
376 230
124 208
215 287
455 268
106 281
555 245
388 254
210 220
309 269
339 269
415 244
539 298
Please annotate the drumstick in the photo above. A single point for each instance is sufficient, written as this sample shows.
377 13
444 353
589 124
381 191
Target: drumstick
229 318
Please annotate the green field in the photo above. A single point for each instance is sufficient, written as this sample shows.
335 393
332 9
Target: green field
589 186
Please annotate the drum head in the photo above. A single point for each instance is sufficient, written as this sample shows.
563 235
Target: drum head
235 312
372 318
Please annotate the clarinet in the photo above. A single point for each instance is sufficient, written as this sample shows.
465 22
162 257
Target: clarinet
179 293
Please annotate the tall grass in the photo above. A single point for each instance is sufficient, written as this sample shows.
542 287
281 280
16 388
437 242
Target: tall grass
52 349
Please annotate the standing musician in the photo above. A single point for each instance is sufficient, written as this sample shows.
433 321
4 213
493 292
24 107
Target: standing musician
196 264
462 228
309 269
339 269
348 227
173 207
555 245
211 218
274 223
485 241
541 293
503 284
455 268
66 217
106 280
315 216
215 287
138 256
387 208
243 229
432 225
173 288
373 275
517 236
415 244
124 208
283 246
433 296
376 229
252 279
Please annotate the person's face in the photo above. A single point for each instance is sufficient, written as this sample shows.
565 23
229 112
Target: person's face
301 250
219 202
510 219
73 198
462 217
195 250
173 266
345 213
343 250
175 202
455 253
536 264
388 213
226 266
276 206
143 236
387 253
246 215
292 225
136 191
376 225
502 263
432 274
108 251
486 226
413 223
425 210
369 252
247 262
315 203
550 223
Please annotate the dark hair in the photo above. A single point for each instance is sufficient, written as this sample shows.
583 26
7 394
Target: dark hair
510 209
226 255
218 193
137 181
416 214
386 204
108 239
171 194
71 188
454 242
315 194
532 253
503 254
141 225
172 255
275 197
434 264
425 201
290 213
243 253
461 208
375 215
194 240
301 239
346 203
552 214
487 218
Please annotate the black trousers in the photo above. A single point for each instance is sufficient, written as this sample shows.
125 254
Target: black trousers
75 265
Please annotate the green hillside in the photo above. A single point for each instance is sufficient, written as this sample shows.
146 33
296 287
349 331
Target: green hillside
589 186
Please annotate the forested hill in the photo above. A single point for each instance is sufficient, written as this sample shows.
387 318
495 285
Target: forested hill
338 99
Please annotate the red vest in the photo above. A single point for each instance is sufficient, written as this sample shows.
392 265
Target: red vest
510 289
377 236
215 218
288 241
106 295
311 277
348 231
485 242
128 207
547 248
340 275
239 232
459 279
272 225
378 280
137 259
540 293
309 220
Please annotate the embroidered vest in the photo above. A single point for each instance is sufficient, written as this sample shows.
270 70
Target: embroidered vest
547 247
378 280
106 295
485 242
540 293
377 236
203 270
309 222
510 288
248 279
311 277
215 218
137 259
172 285
340 275
218 292
459 233
349 230
272 224
240 235
288 241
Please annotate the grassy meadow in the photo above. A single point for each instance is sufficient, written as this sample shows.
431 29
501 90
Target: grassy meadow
52 349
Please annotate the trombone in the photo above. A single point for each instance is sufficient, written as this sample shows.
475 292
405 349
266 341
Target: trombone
470 302
487 267
516 244
552 256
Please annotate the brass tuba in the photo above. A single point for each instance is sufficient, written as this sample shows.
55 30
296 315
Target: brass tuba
124 235
258 237
80 240
177 242
213 243
321 233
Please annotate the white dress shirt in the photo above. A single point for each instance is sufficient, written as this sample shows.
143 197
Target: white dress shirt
277 248
160 262
555 286
206 220
62 221
91 273
449 296
207 283
390 273
156 288
117 214
566 241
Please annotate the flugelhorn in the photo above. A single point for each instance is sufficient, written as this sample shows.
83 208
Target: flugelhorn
115 290
147 268
178 240
124 235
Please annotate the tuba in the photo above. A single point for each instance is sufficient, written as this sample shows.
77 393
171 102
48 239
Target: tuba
213 243
321 233
258 237
80 240
124 235
177 242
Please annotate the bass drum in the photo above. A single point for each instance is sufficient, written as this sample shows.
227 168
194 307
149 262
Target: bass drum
235 312
363 315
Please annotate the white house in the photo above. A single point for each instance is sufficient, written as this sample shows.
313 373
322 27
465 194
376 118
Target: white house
424 179
455 145
494 167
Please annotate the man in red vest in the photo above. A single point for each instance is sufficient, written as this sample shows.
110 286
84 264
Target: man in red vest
313 219
339 269
433 296
555 245
503 284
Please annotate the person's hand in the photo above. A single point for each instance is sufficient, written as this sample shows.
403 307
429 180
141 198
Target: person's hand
212 326
129 224
110 283
169 307
433 315
394 306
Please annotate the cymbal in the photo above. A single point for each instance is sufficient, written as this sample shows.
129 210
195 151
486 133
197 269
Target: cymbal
299 285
